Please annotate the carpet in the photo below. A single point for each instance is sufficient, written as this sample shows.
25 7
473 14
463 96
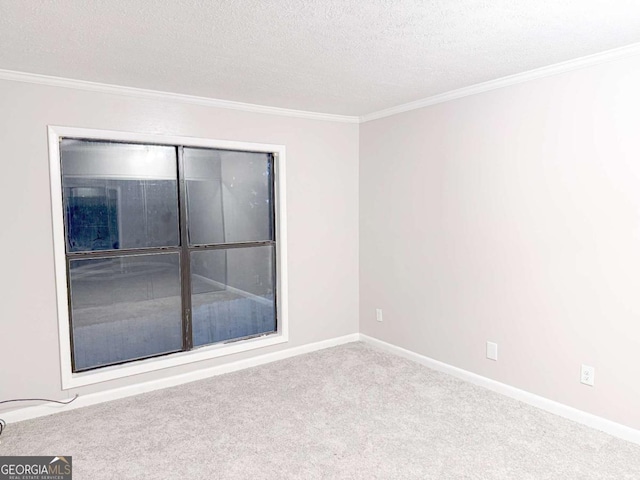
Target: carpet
349 412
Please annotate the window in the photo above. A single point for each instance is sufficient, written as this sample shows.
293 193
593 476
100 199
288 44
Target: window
169 246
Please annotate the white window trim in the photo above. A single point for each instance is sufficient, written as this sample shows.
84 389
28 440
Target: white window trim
74 380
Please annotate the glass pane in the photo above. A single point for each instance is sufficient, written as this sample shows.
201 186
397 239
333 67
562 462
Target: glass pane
119 195
124 308
228 196
232 293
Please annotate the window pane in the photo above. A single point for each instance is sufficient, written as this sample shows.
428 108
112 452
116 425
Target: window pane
228 196
125 308
119 195
232 293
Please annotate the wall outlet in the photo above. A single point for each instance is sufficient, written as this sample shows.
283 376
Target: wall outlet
587 375
379 314
492 351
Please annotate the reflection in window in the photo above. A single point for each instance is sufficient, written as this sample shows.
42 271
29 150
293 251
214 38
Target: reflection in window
232 293
144 281
229 196
125 308
119 196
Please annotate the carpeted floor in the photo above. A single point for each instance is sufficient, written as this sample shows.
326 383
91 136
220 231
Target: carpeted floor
350 412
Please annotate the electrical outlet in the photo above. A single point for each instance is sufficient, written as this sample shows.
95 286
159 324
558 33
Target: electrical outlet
379 314
492 351
587 375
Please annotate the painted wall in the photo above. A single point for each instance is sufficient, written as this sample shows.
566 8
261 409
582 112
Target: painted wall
322 198
510 216
513 216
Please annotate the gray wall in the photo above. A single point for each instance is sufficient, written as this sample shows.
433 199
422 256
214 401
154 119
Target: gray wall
513 216
322 191
509 216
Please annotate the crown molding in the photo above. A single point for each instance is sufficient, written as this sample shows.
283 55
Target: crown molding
168 96
555 69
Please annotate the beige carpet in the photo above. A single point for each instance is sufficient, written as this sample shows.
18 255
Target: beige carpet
350 412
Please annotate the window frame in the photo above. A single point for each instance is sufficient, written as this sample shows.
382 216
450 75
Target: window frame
135 367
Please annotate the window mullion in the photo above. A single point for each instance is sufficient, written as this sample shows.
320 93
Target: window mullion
227 246
123 252
185 261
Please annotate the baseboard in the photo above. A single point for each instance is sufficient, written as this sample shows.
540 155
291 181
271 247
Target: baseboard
579 416
612 428
131 390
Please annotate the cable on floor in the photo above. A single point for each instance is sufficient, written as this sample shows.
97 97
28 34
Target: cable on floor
3 424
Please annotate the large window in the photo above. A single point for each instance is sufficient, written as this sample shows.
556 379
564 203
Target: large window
167 247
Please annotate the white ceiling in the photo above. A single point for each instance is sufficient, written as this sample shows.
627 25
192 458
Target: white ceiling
349 57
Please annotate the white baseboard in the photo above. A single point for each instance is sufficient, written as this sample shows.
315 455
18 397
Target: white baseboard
579 416
128 391
612 428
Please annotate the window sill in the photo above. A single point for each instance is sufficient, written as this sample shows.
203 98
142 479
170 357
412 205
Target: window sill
74 380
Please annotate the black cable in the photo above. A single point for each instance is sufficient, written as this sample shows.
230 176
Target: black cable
67 402
3 424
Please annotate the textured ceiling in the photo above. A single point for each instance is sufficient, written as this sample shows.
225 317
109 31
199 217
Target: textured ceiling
347 57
